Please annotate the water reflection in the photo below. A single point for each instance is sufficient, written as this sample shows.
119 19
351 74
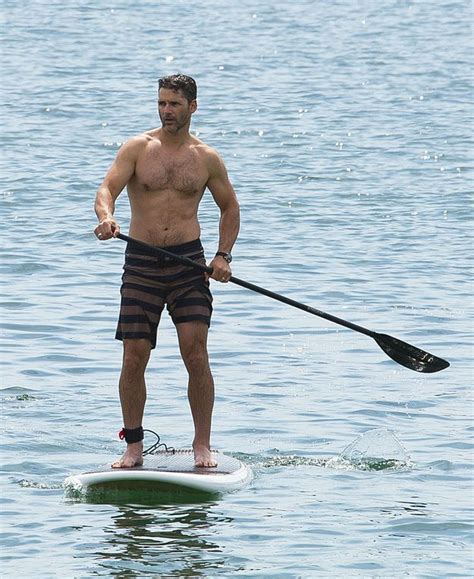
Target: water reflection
407 507
165 539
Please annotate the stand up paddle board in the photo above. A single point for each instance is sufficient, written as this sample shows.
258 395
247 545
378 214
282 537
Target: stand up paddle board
168 471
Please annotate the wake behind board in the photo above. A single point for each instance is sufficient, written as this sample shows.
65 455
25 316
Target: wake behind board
167 471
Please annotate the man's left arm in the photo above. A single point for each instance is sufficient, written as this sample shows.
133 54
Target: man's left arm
224 195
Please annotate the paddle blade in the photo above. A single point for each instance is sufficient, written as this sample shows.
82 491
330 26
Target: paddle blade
410 356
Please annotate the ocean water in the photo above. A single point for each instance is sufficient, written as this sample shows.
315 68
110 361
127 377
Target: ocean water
346 128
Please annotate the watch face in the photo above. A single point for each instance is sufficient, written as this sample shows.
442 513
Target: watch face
226 256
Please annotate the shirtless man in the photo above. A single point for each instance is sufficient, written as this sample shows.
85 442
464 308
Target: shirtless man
166 171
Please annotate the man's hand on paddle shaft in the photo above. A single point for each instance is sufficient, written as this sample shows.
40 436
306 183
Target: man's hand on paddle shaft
107 229
221 269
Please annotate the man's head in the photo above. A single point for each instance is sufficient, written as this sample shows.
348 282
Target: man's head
180 82
176 102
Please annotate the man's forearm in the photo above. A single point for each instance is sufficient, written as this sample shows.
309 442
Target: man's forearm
229 226
104 204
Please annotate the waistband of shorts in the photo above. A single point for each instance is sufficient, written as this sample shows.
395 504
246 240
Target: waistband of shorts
187 248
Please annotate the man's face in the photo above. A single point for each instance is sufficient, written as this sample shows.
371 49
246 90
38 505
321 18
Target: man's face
174 110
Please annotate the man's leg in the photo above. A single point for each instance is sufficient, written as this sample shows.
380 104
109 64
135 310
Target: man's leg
193 346
132 390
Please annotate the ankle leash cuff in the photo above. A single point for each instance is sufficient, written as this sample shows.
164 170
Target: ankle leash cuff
131 434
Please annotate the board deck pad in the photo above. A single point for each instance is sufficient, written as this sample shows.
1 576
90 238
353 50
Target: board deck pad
168 471
182 461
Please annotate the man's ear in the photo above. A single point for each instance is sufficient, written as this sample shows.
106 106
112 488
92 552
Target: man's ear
193 105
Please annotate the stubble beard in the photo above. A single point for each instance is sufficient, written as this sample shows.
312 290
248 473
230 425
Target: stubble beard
176 126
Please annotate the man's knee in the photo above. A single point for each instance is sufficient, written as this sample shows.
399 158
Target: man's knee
136 354
195 356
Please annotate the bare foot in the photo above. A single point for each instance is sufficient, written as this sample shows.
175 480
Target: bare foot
133 456
203 457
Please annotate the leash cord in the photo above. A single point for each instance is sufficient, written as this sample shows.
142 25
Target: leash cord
157 444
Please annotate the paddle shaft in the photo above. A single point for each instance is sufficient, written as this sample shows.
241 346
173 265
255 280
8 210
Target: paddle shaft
252 287
401 352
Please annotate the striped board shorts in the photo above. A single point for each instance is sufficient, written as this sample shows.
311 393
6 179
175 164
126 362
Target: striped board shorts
150 281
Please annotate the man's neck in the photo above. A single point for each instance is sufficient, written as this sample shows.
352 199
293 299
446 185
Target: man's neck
174 139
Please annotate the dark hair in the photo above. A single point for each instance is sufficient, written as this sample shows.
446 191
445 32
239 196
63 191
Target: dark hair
176 82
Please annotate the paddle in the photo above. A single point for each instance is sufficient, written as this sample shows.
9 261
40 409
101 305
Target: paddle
405 354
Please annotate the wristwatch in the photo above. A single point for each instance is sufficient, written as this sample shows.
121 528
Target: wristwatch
225 255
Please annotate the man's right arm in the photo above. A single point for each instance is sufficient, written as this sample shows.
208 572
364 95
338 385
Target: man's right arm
113 184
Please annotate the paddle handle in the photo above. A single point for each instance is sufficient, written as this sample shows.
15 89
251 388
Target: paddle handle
250 286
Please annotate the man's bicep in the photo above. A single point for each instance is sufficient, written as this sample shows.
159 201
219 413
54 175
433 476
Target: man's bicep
220 186
122 169
222 192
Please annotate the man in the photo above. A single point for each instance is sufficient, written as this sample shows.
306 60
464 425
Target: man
166 171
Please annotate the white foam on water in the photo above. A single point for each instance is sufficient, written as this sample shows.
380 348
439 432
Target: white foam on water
378 449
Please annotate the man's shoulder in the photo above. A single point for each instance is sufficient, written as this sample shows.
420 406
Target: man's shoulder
133 146
212 159
205 150
141 140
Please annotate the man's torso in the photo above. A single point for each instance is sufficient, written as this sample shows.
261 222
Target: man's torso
165 191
